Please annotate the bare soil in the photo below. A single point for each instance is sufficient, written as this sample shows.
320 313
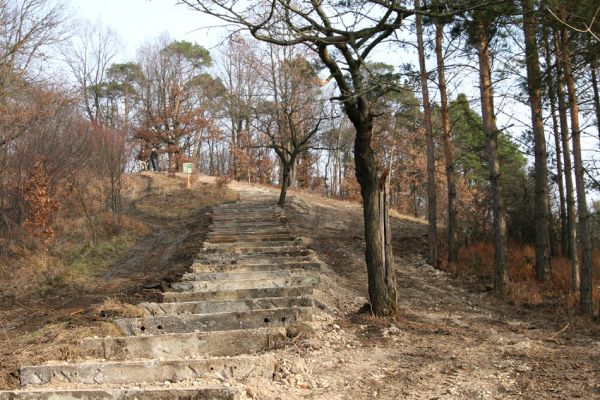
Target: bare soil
450 340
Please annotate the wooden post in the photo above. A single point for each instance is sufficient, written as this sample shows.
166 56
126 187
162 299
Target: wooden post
386 228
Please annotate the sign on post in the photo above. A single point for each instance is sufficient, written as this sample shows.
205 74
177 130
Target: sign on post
188 168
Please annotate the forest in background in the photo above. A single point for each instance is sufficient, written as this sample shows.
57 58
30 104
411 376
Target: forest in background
312 106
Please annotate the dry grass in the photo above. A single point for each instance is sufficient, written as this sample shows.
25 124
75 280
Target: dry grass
51 342
477 260
169 198
115 308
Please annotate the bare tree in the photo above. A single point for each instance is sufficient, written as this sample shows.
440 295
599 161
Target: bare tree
292 112
28 28
343 37
169 110
89 55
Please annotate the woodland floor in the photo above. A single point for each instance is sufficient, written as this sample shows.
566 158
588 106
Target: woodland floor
449 341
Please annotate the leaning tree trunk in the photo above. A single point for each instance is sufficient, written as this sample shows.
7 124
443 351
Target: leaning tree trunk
431 194
501 280
569 190
534 87
586 289
448 151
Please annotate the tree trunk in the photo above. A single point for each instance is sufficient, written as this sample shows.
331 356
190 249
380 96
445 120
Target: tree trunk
501 280
534 87
564 239
586 289
448 151
431 194
287 166
382 280
569 190
593 68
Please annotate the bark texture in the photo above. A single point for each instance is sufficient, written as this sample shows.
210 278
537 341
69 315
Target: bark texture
586 287
569 185
448 148
501 280
551 84
534 87
431 194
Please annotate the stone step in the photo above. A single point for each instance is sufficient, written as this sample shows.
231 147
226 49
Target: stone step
224 259
250 238
237 275
172 297
298 279
213 322
200 392
246 213
172 346
258 250
270 219
274 265
233 234
258 244
212 307
258 247
143 371
250 229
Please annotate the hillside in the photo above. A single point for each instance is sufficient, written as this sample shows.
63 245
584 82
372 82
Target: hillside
450 340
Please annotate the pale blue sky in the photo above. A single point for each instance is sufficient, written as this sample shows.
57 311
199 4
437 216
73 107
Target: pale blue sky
139 20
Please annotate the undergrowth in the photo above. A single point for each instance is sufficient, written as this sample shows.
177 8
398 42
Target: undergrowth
477 261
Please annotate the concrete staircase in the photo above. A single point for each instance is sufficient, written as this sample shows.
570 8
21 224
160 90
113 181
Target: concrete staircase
214 328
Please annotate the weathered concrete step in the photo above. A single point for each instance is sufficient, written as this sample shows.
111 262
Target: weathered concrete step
125 372
251 230
187 345
259 250
260 244
251 233
172 297
242 259
213 322
274 265
251 238
212 307
246 213
245 248
160 393
299 279
237 275
271 219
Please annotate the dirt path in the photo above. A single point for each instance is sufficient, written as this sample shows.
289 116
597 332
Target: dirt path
448 341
